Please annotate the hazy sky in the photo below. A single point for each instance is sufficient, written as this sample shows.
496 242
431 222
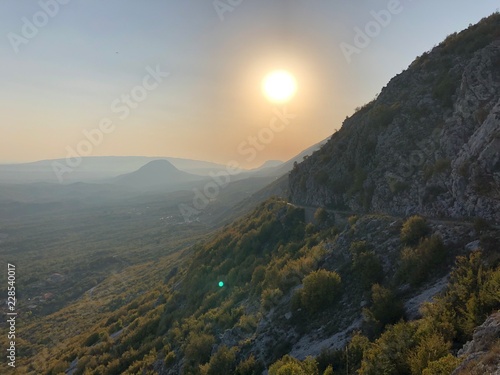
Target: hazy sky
66 65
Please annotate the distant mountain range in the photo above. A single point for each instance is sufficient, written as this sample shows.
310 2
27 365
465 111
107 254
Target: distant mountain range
101 169
93 169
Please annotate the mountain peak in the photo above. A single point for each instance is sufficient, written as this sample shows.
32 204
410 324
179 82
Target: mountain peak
156 174
160 165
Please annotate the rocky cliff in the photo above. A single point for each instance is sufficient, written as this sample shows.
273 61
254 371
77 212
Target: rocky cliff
481 355
429 143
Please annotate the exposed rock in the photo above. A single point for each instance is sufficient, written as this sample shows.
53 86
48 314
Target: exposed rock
412 306
471 246
481 355
429 144
309 345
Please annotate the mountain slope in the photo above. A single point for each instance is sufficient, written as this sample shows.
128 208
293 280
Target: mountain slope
284 168
430 142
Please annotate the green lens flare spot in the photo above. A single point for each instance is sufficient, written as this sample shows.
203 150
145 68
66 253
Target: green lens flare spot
221 284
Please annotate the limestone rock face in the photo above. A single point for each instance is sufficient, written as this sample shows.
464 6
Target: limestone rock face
481 355
429 143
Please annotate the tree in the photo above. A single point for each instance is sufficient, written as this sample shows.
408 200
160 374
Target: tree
385 309
321 289
322 218
430 348
469 282
443 366
354 352
368 268
222 362
292 366
270 298
199 347
388 354
250 366
413 230
417 263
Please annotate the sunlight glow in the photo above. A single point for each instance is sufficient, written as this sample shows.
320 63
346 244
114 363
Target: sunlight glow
279 86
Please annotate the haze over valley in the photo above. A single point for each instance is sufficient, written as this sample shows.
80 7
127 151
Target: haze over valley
247 188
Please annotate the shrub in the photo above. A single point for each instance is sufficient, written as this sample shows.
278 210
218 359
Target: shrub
222 362
247 323
388 354
414 229
322 217
418 263
481 114
480 224
295 270
321 177
366 264
92 339
443 366
382 115
352 220
291 366
368 268
340 185
442 165
330 357
199 347
359 179
444 90
474 291
309 229
472 294
354 353
170 359
429 349
249 366
270 298
396 186
385 309
320 291
358 247
303 183
258 275
463 169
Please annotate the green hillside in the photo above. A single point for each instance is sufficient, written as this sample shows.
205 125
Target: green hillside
282 279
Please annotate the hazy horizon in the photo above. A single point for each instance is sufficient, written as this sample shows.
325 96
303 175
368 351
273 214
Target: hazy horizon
205 66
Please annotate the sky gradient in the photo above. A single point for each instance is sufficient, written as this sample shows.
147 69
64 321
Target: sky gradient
87 54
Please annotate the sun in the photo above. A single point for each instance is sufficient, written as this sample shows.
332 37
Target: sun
279 86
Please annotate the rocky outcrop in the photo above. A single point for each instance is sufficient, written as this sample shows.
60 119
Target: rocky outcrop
429 144
481 355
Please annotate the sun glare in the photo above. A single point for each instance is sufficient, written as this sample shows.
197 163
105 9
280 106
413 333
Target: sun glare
279 86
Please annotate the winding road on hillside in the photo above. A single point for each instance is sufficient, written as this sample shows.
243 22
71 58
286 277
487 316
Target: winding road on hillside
342 215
